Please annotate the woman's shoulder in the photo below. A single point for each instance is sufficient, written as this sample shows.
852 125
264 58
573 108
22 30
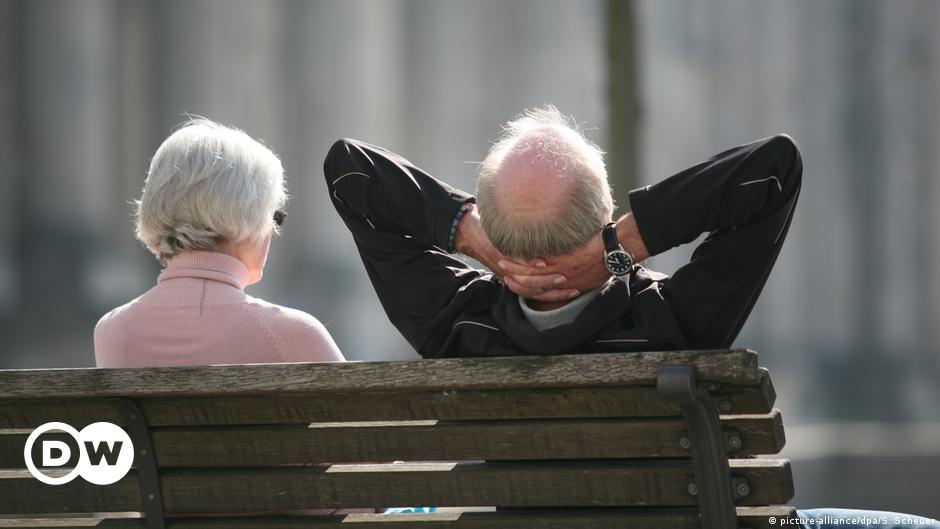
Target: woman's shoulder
280 313
303 336
111 332
116 316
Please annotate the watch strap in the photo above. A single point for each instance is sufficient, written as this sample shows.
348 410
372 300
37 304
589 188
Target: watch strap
609 234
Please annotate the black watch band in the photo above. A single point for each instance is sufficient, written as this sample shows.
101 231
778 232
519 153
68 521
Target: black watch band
609 234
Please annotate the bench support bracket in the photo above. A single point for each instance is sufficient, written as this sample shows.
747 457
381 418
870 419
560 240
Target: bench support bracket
146 462
713 487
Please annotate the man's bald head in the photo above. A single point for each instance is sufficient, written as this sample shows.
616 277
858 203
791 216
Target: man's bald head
542 189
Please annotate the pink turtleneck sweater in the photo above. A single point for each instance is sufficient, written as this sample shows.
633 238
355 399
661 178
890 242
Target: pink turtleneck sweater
199 314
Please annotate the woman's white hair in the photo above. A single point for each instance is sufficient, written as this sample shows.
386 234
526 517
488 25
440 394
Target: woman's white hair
589 206
208 184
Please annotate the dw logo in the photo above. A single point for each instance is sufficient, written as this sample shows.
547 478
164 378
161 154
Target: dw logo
102 453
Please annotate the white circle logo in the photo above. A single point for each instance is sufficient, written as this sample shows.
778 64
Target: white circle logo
105 453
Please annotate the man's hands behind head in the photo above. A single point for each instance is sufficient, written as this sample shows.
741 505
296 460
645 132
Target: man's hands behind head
583 268
541 285
557 278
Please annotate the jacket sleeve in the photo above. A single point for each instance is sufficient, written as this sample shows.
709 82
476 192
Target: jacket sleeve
744 198
400 218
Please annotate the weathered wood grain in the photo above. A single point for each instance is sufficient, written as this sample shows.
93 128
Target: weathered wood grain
63 523
645 518
522 484
611 401
446 441
336 407
735 367
24 494
450 441
757 436
742 398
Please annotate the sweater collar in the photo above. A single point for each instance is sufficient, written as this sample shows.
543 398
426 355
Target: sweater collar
612 303
214 266
546 319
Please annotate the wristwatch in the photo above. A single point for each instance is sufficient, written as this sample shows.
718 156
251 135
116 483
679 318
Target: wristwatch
617 260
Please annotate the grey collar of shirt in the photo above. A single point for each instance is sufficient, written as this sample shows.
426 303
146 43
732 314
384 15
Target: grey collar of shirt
547 319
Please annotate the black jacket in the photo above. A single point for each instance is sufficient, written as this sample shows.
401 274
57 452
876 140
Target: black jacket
400 218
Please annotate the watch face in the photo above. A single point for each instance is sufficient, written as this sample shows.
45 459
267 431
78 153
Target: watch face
618 262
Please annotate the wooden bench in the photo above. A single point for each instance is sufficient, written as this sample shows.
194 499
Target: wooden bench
630 440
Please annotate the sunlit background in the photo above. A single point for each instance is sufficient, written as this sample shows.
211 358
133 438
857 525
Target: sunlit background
848 323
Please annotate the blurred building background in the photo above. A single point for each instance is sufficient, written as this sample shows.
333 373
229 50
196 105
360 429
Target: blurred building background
849 320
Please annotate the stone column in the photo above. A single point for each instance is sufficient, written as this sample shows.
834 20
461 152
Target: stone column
71 136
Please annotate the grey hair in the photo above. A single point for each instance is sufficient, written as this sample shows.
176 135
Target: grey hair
590 204
208 184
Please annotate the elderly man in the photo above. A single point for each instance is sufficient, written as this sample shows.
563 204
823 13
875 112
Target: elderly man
543 199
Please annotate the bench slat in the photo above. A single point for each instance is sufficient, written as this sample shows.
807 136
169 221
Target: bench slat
66 523
639 518
625 401
533 484
491 440
20 493
676 518
734 367
445 441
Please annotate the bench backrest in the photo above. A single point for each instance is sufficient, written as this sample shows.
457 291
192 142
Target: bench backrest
568 441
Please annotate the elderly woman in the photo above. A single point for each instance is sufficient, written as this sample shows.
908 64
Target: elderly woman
210 205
